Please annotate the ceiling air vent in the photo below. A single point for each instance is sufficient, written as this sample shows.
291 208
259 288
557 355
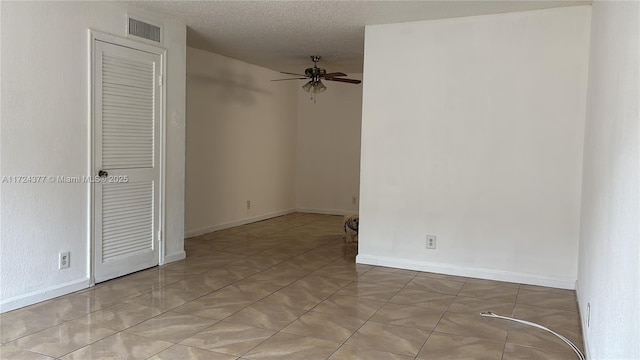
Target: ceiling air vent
144 30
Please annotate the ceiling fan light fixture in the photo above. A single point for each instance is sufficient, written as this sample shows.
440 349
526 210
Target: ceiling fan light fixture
319 87
307 87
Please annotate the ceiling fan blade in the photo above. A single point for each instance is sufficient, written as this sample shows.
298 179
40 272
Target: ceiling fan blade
288 73
350 81
334 74
301 78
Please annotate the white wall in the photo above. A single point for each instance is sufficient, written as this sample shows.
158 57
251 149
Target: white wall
328 161
609 261
45 131
241 143
476 137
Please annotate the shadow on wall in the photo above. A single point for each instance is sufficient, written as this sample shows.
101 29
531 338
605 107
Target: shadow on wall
229 87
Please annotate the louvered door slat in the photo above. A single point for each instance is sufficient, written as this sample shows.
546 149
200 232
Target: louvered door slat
125 81
121 240
116 112
126 131
125 71
136 214
121 79
128 103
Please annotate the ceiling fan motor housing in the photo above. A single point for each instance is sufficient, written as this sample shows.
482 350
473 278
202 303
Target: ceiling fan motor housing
315 72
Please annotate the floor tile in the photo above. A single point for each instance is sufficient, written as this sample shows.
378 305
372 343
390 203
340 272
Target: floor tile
547 289
297 297
228 338
489 291
474 306
410 316
120 346
214 306
113 291
68 307
338 272
548 300
9 351
232 271
164 299
518 352
62 339
551 318
369 291
390 270
435 285
181 352
473 326
421 298
182 267
294 266
277 253
348 352
119 317
277 277
454 347
291 347
158 276
324 326
18 323
320 284
386 278
249 290
267 315
389 338
201 284
357 307
534 337
171 326
309 262
259 261
441 276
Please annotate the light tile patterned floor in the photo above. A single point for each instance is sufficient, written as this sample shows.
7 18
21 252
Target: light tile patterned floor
289 288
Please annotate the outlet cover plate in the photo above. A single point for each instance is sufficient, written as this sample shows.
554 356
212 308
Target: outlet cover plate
64 260
431 242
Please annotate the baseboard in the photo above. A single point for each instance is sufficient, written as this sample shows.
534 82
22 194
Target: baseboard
583 322
326 211
208 229
488 274
35 297
174 257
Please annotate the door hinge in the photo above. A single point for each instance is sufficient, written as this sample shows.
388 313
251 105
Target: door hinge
160 80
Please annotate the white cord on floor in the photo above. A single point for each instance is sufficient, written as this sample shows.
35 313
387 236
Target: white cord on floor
567 341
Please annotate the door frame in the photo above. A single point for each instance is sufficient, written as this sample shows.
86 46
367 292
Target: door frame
129 43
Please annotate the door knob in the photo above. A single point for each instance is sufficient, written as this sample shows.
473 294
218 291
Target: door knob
103 173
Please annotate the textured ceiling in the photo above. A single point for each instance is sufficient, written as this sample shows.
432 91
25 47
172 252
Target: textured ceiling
281 35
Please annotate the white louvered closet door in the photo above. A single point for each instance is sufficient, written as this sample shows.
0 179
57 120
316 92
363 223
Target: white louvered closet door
126 153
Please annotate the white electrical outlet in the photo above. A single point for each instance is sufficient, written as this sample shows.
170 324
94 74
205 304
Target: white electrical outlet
431 242
64 260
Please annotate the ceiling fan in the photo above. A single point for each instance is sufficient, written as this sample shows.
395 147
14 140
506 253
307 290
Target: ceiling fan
316 75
